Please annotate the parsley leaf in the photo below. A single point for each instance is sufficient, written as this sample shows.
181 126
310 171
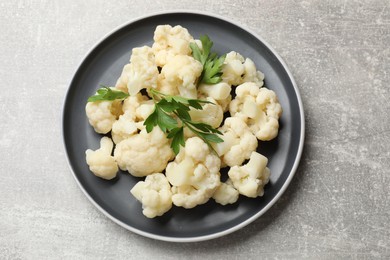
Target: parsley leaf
177 135
212 70
212 65
169 110
107 94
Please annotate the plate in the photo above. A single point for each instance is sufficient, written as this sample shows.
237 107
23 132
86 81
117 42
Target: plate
104 64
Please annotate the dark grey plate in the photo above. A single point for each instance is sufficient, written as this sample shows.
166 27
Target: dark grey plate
103 65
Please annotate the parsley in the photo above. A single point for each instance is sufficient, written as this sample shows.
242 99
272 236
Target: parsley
164 115
212 65
106 93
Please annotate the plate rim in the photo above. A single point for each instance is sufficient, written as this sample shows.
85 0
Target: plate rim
231 229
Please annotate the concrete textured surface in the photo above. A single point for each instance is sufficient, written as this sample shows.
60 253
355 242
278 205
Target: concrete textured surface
337 206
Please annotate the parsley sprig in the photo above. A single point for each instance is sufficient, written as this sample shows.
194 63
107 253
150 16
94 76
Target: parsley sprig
106 93
171 114
212 65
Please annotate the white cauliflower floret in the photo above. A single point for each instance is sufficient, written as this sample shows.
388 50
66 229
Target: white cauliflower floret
251 178
179 75
155 195
233 68
100 162
219 91
102 114
170 41
226 193
237 70
164 86
259 107
194 174
137 108
251 74
238 144
124 127
121 83
245 94
224 103
144 153
211 114
142 72
131 103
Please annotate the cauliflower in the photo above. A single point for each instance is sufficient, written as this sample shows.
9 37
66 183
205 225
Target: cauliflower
121 83
155 195
124 127
144 153
142 72
194 174
193 177
102 114
137 108
100 162
237 70
131 103
250 179
219 91
170 41
179 75
164 86
238 143
226 193
233 68
251 74
259 107
211 114
224 103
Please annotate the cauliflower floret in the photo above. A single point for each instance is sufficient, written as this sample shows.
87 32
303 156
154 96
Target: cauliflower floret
219 91
102 114
142 71
239 142
251 178
179 75
137 108
237 70
155 195
100 162
121 83
224 103
170 41
233 68
144 153
226 193
124 127
211 114
251 74
131 103
245 94
166 87
194 174
259 107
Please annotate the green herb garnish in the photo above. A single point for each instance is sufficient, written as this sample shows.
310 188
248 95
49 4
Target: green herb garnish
107 94
212 65
170 108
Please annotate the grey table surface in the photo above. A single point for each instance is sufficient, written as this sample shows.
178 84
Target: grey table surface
338 204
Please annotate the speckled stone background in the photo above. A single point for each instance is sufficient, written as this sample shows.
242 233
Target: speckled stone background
337 206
